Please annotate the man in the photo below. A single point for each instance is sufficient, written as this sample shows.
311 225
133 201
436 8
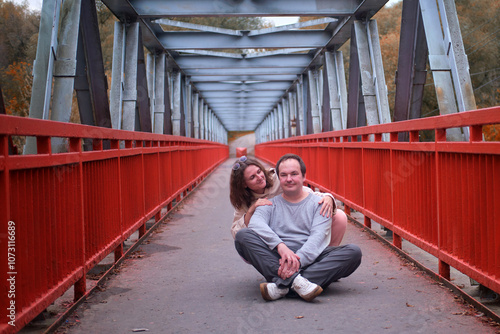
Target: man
288 241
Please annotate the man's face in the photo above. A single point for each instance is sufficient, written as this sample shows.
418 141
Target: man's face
291 178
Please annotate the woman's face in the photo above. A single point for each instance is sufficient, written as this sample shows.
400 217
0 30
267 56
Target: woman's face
255 179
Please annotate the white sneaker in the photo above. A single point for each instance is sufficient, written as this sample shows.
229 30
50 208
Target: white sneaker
305 289
270 291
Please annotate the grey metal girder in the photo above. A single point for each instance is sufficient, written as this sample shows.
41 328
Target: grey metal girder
262 77
200 27
224 94
238 86
207 62
130 82
244 71
178 40
65 67
448 61
171 8
412 60
204 86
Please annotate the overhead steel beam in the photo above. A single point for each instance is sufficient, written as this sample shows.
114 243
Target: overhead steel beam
243 87
236 100
171 8
239 112
241 105
262 77
243 71
210 53
200 62
298 25
200 27
178 40
224 94
279 52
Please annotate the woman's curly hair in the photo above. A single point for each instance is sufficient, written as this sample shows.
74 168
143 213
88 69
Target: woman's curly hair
239 194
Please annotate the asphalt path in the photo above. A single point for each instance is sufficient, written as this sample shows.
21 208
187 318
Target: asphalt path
188 278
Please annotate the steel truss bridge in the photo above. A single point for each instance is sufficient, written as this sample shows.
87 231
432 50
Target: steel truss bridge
163 127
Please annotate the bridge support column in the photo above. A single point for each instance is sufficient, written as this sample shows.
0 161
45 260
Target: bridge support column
280 121
199 132
130 84
313 97
205 122
117 84
355 107
43 68
286 118
372 73
188 107
448 61
335 91
44 64
293 113
159 96
196 115
275 124
300 107
202 119
176 104
90 80
65 67
209 124
412 62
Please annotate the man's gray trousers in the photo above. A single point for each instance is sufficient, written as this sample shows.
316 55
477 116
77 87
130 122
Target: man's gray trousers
333 263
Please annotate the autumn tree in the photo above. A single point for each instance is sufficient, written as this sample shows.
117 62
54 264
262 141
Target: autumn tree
18 35
17 91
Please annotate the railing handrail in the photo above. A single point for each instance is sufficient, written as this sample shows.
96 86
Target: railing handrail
467 118
72 209
438 195
23 126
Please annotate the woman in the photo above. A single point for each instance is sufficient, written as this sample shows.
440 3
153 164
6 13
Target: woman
250 187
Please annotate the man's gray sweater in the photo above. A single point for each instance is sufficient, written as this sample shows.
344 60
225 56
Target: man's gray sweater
299 225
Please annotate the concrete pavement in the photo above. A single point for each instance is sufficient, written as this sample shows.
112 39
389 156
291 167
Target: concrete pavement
188 278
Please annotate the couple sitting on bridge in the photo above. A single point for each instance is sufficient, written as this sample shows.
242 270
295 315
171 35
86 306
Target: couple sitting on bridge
288 238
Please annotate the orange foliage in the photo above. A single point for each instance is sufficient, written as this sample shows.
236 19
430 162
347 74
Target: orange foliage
17 88
491 132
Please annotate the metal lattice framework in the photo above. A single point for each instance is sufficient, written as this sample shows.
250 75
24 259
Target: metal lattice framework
278 82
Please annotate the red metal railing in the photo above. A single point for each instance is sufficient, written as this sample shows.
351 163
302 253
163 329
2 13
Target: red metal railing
65 212
441 196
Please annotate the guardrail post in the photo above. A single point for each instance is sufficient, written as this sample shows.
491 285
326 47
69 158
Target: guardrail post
118 251
368 222
142 230
80 287
444 269
43 145
397 241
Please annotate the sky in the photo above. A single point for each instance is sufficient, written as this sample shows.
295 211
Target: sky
33 4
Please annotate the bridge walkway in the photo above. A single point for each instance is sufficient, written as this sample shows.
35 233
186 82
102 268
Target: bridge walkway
188 278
